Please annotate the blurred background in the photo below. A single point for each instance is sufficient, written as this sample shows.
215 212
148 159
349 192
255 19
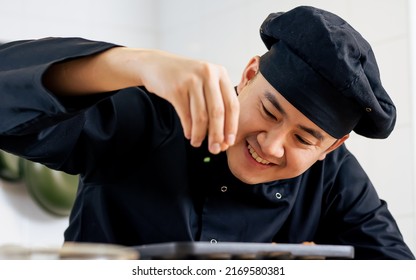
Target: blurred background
226 32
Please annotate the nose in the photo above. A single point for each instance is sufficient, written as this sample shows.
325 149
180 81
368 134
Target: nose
272 143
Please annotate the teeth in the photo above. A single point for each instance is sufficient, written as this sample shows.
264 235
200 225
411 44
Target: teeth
256 156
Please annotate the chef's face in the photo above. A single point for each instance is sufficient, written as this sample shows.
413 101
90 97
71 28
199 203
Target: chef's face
274 140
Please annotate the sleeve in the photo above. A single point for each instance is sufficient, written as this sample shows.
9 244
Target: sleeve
30 113
24 99
355 215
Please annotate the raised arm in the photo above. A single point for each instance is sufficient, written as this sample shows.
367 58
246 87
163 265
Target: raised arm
201 92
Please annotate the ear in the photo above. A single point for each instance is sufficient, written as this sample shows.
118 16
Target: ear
249 72
336 144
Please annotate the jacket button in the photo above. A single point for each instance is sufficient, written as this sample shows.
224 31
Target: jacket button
224 188
278 195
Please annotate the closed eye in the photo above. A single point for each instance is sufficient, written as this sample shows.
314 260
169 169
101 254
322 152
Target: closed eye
302 140
268 113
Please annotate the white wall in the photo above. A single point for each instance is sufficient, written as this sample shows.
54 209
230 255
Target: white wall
126 22
226 32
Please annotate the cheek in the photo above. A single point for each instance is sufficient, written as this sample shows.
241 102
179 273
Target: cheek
245 127
299 161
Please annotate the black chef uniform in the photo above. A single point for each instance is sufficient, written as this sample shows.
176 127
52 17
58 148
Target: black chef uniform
141 182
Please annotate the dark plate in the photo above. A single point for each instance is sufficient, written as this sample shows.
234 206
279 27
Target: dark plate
243 250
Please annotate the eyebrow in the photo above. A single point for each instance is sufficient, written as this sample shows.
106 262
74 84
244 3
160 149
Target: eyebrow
272 99
270 96
313 132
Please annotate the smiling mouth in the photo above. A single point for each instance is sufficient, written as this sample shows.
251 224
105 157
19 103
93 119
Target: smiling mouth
256 157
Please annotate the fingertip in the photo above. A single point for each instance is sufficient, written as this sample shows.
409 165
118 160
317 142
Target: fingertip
230 139
224 147
195 143
187 135
215 148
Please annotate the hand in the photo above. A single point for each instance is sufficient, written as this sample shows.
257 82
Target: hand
200 92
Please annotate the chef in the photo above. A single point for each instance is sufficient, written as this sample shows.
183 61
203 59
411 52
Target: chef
168 150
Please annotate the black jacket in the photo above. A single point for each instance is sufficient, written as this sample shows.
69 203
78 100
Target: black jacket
141 181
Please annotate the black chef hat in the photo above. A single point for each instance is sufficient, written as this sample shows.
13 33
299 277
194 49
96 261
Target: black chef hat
328 71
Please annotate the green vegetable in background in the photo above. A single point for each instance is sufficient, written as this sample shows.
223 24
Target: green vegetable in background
54 190
10 167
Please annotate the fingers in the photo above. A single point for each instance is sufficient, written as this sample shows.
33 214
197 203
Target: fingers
223 110
184 114
214 110
199 116
231 110
216 116
201 94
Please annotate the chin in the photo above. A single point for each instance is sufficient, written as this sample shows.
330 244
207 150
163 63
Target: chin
242 174
246 179
250 177
237 163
